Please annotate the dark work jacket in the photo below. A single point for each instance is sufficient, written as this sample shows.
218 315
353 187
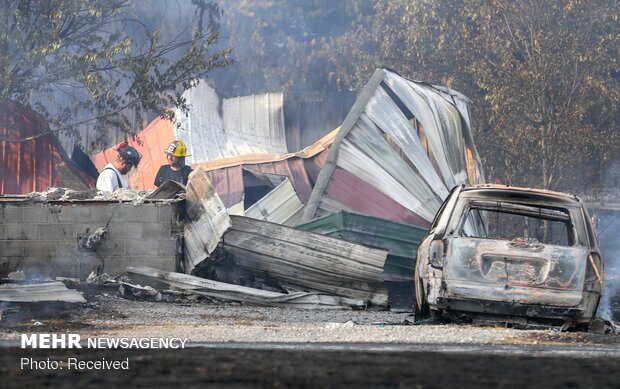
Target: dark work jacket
166 173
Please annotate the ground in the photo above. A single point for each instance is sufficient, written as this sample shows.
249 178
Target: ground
237 345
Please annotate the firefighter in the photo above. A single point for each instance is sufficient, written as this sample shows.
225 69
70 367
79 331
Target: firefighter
176 169
114 174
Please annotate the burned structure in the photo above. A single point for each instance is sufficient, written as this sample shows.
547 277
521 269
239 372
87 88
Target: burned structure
512 255
69 237
387 169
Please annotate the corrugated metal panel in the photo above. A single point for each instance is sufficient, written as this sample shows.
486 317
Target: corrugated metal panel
32 165
151 143
47 292
307 260
250 124
349 192
406 143
313 150
400 240
301 168
207 223
202 129
228 183
255 123
281 205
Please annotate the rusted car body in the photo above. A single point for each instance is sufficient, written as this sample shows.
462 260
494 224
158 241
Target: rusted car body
510 254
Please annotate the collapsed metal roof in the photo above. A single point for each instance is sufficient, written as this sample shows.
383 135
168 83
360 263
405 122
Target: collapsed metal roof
301 168
402 147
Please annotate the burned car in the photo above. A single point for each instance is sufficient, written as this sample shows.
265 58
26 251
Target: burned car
513 255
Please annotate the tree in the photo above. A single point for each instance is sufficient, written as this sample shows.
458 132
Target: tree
99 61
285 45
544 75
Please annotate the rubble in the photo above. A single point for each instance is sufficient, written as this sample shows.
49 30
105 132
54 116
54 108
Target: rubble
44 292
232 292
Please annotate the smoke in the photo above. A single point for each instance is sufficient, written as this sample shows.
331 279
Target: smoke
609 243
609 224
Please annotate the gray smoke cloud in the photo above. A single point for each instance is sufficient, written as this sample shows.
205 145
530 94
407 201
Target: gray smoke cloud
609 243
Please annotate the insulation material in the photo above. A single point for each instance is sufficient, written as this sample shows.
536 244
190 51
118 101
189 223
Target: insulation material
402 147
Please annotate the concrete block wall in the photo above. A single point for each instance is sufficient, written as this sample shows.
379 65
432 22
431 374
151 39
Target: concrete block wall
42 238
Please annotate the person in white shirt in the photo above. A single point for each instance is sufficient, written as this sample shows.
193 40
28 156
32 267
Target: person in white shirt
114 174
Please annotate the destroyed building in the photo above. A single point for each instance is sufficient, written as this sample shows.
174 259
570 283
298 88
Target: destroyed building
400 149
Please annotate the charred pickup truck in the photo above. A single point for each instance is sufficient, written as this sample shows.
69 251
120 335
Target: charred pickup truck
513 255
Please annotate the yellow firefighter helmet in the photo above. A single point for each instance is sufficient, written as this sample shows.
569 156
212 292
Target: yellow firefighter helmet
177 148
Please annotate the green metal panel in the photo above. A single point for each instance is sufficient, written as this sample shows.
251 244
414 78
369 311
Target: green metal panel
401 240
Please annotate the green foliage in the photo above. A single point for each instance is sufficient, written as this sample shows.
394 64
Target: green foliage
544 75
101 61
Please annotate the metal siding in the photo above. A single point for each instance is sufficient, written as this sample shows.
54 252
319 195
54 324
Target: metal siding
228 183
255 124
31 165
384 157
390 119
281 205
207 220
400 240
307 260
202 128
346 188
292 168
248 124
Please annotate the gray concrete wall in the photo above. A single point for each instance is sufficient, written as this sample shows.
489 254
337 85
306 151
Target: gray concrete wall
42 238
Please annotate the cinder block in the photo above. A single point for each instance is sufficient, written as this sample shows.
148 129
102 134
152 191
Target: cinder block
120 264
117 230
67 249
11 248
167 263
107 212
2 231
34 268
87 228
141 213
154 230
40 249
141 247
36 214
112 248
11 214
168 247
56 231
74 213
134 231
22 231
164 213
